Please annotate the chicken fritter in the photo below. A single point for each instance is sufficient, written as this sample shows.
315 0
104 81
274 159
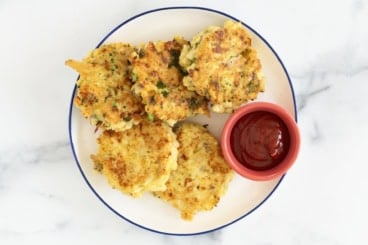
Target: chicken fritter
103 92
202 175
158 81
139 159
222 66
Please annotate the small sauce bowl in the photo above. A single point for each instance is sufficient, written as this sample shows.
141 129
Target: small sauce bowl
260 141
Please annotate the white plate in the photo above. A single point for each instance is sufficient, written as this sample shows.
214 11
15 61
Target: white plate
243 196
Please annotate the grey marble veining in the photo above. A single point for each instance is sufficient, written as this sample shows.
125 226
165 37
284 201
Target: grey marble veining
322 200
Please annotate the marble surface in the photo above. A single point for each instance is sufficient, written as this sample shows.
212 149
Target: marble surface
322 200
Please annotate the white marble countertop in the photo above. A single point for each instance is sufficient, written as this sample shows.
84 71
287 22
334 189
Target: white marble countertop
322 200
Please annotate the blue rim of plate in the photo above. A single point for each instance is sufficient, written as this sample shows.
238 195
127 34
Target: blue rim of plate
71 110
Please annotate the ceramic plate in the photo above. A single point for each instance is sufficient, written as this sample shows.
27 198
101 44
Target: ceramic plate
243 196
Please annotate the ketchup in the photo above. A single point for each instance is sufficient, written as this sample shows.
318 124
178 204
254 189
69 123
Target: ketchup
260 140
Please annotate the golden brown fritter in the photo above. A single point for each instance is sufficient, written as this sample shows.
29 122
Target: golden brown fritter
104 93
202 175
158 81
222 66
139 159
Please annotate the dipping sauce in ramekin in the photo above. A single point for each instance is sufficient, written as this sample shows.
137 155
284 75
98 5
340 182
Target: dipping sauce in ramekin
260 141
